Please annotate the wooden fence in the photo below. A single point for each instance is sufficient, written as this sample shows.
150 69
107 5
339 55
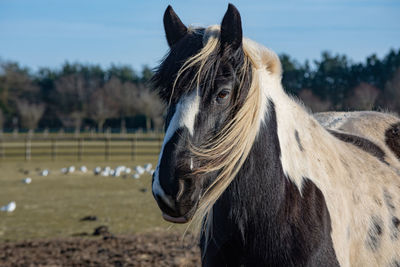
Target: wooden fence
78 148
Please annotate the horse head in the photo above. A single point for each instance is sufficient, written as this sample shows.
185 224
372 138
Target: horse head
205 80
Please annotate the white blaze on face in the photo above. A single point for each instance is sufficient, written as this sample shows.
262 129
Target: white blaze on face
184 117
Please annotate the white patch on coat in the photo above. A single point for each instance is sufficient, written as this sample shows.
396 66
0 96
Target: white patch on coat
184 117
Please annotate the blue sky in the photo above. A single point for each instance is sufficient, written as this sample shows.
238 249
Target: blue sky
48 32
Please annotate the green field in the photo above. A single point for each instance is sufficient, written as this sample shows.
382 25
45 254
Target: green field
52 206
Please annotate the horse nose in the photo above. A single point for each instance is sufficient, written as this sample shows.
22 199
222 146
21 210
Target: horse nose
166 205
165 201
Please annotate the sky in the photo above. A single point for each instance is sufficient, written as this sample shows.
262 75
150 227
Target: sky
46 33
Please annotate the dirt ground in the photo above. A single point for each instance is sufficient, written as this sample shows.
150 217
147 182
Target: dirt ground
147 249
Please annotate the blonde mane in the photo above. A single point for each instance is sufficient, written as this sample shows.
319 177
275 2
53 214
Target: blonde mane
227 151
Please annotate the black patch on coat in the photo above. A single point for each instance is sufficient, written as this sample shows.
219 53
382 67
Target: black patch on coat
262 219
362 143
392 139
374 234
296 135
395 228
395 263
389 201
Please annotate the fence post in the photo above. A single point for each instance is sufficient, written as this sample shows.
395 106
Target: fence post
53 149
107 148
27 148
133 148
1 148
160 141
80 148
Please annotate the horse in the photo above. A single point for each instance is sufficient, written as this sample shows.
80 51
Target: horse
270 184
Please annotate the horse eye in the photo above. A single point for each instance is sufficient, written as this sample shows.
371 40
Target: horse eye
223 94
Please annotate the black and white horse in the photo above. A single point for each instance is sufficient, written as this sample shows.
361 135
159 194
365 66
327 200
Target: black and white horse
272 186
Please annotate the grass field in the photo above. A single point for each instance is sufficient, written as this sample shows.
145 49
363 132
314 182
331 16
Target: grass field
52 206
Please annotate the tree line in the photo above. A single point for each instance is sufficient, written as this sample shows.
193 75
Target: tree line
79 96
334 82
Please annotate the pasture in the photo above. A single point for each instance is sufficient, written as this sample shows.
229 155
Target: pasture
52 206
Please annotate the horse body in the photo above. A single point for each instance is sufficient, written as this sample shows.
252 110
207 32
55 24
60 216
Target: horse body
353 182
273 186
374 126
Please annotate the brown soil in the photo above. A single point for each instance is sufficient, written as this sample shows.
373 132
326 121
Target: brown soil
151 249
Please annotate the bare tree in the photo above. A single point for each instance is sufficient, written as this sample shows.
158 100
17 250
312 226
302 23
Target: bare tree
101 108
15 83
73 96
72 85
150 105
314 102
29 113
125 94
364 97
71 120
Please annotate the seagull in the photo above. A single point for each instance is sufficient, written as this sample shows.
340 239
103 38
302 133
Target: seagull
27 180
120 168
64 170
97 170
139 169
128 170
83 169
147 167
10 207
45 172
136 176
71 169
105 172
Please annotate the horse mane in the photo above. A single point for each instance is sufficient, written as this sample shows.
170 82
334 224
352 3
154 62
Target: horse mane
226 152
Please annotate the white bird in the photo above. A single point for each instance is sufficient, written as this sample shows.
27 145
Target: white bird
27 180
83 169
136 176
71 169
97 170
112 172
10 207
120 168
64 170
128 170
105 173
45 172
147 167
139 169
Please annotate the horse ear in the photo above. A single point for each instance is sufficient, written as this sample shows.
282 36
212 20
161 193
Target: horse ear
231 28
174 28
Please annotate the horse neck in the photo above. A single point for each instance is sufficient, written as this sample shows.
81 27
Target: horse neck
304 143
262 200
270 182
260 183
291 146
